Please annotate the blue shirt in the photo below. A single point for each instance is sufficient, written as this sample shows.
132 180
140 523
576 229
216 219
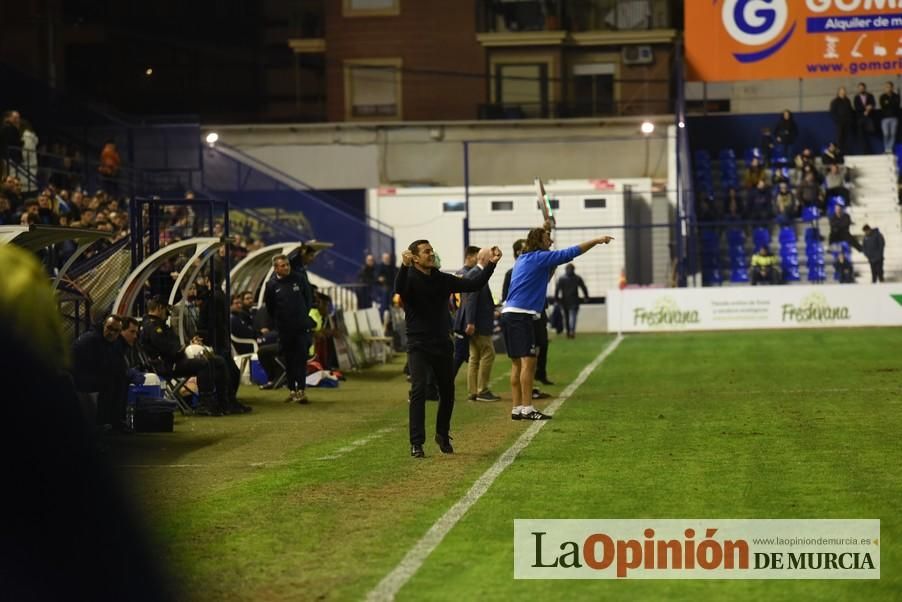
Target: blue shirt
529 280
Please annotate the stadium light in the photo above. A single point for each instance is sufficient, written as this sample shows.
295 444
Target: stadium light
148 72
681 124
211 138
647 127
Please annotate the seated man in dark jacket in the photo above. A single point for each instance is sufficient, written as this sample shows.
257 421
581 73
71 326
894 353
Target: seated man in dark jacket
99 367
162 345
242 325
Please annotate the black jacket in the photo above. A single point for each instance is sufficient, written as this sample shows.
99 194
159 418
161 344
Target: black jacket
479 308
889 105
860 105
567 289
243 328
841 111
94 359
286 301
425 300
873 244
786 131
159 341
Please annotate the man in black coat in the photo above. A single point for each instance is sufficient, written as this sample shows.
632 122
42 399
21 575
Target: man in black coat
873 250
99 367
567 291
288 301
424 291
843 116
162 346
840 222
864 118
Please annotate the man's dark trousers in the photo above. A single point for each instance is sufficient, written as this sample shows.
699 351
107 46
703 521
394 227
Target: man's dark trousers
439 359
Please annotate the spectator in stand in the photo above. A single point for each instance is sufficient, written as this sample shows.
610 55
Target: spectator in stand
734 213
760 204
785 205
843 116
766 145
366 279
873 250
6 213
786 132
764 267
844 269
10 141
833 155
810 193
864 118
836 184
755 173
46 215
840 222
567 292
29 154
804 158
110 163
12 190
99 367
889 116
706 211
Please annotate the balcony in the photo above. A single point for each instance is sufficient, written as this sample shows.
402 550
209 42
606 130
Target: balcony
524 16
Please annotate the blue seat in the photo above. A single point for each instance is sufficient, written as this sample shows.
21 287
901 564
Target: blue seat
791 274
739 275
752 153
761 237
788 260
810 213
787 235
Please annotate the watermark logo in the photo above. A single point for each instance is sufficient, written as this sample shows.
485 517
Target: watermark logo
665 312
696 549
757 23
814 308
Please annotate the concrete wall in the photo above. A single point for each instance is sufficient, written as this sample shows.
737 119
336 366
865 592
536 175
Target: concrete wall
367 156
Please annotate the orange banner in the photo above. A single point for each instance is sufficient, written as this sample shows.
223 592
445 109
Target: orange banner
728 40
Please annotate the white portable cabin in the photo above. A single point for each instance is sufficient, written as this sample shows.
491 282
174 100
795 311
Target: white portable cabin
499 215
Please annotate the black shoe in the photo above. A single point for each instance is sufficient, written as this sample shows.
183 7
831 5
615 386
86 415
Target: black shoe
487 395
516 416
444 443
267 386
416 451
536 394
203 410
239 408
301 397
545 381
535 415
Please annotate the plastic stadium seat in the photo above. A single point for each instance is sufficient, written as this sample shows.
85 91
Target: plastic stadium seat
735 236
726 154
810 213
787 235
761 237
752 153
833 201
791 273
739 275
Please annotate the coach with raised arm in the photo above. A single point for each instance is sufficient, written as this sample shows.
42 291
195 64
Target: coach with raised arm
425 291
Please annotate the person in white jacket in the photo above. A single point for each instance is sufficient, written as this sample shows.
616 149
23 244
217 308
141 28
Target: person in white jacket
29 155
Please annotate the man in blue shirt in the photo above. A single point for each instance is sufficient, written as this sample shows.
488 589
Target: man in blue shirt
529 282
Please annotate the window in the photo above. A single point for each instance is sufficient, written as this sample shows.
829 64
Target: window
373 89
502 205
370 8
449 206
522 89
593 89
595 203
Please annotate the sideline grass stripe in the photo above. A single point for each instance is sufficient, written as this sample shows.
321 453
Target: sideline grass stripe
392 583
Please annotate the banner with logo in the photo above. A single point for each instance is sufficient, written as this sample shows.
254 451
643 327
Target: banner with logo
747 308
728 40
696 549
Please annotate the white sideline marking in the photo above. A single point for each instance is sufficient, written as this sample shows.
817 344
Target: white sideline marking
355 444
392 583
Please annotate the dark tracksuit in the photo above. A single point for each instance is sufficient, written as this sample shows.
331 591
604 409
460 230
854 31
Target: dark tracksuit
429 346
288 301
99 366
159 341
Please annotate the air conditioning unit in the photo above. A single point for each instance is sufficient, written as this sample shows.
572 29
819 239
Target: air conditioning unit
638 55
